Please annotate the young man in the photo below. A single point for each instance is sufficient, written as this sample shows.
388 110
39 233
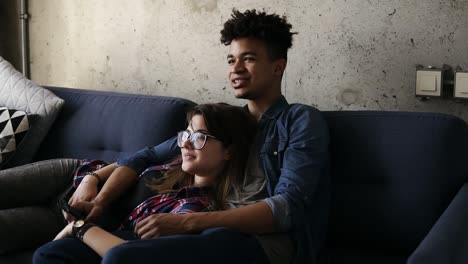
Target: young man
280 213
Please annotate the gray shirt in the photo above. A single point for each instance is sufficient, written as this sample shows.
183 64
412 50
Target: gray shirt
277 246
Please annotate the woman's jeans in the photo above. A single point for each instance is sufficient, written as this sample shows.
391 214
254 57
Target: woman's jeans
29 215
215 245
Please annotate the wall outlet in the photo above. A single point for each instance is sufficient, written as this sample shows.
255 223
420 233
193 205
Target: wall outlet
461 85
429 82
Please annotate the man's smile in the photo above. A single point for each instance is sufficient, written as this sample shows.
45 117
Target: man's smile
239 82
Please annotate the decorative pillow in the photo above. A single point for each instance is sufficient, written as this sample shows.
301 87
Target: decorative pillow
14 125
17 92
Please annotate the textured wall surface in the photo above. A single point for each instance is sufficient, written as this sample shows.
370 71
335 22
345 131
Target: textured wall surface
349 54
10 32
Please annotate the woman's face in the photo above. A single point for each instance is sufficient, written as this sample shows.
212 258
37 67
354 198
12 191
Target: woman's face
205 163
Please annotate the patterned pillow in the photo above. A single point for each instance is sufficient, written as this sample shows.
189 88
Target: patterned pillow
14 125
17 92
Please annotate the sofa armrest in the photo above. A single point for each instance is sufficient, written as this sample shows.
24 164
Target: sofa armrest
27 227
447 241
29 214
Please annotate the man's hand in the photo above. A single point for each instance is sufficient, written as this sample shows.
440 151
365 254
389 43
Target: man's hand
255 218
162 225
93 210
86 192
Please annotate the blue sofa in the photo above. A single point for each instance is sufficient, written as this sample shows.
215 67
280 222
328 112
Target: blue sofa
400 188
99 125
399 179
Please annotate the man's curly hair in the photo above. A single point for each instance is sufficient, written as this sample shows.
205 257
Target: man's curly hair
273 30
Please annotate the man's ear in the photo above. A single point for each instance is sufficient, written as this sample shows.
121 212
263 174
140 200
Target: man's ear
280 66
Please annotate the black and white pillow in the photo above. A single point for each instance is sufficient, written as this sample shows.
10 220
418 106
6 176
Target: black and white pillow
14 125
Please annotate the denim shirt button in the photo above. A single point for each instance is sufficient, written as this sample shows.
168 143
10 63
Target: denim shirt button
275 153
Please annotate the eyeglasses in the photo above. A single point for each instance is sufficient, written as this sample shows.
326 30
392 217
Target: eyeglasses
197 139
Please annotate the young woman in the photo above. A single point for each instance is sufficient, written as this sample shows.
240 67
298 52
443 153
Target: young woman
214 151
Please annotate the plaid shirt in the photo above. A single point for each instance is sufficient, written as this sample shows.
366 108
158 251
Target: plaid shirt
186 200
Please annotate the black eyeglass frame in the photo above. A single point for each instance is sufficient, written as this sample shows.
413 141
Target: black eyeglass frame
191 138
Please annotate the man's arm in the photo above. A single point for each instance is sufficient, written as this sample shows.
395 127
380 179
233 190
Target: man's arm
88 187
151 156
120 176
255 218
128 169
305 163
117 183
304 184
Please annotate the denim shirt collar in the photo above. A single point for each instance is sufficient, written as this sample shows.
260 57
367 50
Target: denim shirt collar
275 109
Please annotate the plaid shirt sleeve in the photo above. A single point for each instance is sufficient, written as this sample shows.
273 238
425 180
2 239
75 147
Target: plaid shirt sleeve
86 166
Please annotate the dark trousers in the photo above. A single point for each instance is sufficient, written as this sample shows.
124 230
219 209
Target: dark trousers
215 245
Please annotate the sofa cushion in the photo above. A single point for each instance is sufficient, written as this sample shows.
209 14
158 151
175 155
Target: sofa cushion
108 125
393 174
17 92
14 125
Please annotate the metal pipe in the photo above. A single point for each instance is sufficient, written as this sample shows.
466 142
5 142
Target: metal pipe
24 38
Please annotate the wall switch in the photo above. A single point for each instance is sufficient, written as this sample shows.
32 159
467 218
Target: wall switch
461 85
429 82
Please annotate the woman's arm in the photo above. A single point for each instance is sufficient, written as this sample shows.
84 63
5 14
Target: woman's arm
88 188
95 237
100 240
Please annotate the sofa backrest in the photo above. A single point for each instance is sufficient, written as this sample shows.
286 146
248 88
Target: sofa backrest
393 175
108 125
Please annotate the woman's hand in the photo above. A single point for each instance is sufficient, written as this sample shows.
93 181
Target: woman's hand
66 232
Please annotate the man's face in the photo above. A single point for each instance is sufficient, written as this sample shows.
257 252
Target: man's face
251 70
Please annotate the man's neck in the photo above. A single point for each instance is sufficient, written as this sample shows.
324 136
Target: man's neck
258 106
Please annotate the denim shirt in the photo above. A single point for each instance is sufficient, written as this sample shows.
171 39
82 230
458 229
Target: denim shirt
294 153
296 161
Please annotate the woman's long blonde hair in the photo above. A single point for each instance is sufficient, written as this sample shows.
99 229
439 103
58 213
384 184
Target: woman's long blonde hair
236 129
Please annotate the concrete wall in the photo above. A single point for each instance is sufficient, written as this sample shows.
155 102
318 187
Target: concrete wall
10 32
349 54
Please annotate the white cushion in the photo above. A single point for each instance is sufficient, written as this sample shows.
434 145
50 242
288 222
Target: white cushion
17 92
